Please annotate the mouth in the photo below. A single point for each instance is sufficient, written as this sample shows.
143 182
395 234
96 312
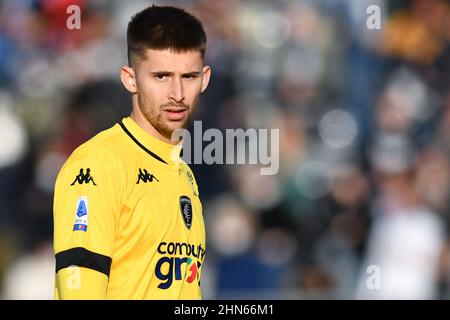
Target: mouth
175 113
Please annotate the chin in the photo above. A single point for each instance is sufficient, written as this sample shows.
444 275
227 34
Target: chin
177 125
171 128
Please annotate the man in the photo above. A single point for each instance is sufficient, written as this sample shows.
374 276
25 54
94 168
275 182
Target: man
127 214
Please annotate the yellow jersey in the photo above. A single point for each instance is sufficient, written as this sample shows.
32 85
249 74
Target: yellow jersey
128 207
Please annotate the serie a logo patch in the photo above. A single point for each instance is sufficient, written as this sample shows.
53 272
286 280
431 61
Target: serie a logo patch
81 215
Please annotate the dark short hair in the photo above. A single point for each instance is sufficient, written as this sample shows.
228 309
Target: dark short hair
164 27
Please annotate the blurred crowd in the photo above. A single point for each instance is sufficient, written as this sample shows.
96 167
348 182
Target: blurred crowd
364 122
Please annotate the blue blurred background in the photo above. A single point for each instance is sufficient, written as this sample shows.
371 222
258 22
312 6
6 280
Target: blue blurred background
364 120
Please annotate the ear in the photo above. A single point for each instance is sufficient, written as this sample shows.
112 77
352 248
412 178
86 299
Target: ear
128 78
206 77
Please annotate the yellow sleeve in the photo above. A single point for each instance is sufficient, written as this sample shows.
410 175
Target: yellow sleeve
75 283
85 210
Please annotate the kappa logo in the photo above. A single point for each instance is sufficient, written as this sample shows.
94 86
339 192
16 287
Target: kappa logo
84 177
189 177
186 210
145 176
191 181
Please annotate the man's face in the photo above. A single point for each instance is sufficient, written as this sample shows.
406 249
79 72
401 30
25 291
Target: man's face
168 86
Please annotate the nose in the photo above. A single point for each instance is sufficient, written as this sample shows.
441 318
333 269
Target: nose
176 92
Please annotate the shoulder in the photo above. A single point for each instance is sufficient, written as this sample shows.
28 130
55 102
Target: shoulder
100 152
101 147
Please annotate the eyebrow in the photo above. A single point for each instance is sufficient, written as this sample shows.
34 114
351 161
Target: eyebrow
168 73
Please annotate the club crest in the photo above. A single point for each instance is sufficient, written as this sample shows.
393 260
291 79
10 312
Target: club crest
186 210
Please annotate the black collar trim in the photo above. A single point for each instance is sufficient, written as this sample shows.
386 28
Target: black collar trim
140 144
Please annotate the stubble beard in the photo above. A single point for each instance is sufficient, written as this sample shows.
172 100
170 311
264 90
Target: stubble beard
155 117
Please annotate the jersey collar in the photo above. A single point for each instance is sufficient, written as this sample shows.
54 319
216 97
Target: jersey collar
160 150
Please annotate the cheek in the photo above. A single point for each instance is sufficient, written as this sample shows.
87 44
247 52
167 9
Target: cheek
193 90
150 93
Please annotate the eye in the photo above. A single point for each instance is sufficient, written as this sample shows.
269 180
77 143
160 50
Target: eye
190 76
160 76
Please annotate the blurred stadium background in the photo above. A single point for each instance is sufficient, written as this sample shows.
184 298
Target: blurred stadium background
364 119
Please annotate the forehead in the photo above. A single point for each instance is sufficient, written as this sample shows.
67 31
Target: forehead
169 60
